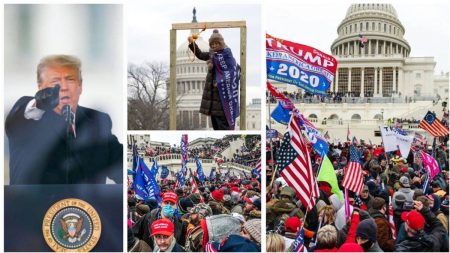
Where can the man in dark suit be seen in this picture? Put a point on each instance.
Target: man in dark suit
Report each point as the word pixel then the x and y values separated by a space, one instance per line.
pixel 53 140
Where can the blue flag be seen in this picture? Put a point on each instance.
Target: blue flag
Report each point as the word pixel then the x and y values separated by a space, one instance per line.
pixel 145 183
pixel 298 244
pixel 281 114
pixel 180 177
pixel 200 174
pixel 164 172
pixel 135 158
pixel 212 175
pixel 154 169
pixel 227 78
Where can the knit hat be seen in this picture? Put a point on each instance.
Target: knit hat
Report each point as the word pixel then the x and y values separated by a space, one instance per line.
pixel 202 209
pixel 404 181
pixel 162 227
pixel 253 227
pixel 257 203
pixel 217 195
pixel 287 191
pixel 399 198
pixel 142 209
pixel 170 196
pixel 350 247
pixel 216 37
pixel 367 229
pixel 292 224
pixel 414 220
pixel 378 203
pixel 185 204
pixel 195 198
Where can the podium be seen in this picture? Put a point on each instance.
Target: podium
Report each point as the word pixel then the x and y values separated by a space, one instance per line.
pixel 27 205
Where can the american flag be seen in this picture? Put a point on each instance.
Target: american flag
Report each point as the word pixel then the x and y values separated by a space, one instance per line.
pixel 295 165
pixel 194 186
pixel 353 177
pixel 433 125
pixel 184 153
pixel 286 103
pixel 363 40
pixel 391 220
pixel 257 170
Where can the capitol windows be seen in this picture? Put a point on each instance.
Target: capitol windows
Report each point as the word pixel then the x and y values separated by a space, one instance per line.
pixel 384 27
pixel 388 82
pixel 356 82
pixel 373 26
pixel 369 79
pixel 356 118
pixel 350 29
pixel 418 75
pixel 379 27
pixel 367 26
pixel 360 27
pixel 342 80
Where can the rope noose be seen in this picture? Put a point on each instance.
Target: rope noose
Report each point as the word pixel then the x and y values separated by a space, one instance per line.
pixel 194 36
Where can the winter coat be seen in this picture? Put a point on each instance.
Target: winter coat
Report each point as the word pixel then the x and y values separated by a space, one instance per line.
pixel 384 232
pixel 407 192
pixel 375 248
pixel 210 104
pixel 140 246
pixel 422 241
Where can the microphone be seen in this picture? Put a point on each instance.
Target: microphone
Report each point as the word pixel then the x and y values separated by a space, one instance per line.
pixel 67 113
pixel 69 118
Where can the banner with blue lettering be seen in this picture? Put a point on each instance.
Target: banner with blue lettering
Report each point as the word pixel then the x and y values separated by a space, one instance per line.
pixel 319 143
pixel 164 172
pixel 271 133
pixel 300 65
pixel 227 78
pixel 145 183
pixel 281 114
pixel 200 174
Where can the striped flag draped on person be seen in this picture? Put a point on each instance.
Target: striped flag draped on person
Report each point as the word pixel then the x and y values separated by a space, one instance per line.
pixel 295 165
pixel 353 177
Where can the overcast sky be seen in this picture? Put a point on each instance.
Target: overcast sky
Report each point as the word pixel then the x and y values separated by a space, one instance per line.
pixel 315 23
pixel 149 23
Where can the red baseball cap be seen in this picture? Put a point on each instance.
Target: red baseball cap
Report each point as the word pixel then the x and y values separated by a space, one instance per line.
pixel 162 227
pixel 292 224
pixel 170 196
pixel 414 220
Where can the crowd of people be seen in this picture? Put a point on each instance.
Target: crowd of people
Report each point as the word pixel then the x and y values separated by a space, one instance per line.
pixel 222 213
pixel 420 207
pixel 225 215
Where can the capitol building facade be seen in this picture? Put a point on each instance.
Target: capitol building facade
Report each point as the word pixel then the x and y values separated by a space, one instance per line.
pixel 191 74
pixel 373 82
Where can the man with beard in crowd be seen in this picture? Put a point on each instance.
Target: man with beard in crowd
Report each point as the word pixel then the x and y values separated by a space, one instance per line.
pixel 194 231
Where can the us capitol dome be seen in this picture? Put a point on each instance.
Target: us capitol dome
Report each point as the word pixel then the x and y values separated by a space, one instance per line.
pixel 374 77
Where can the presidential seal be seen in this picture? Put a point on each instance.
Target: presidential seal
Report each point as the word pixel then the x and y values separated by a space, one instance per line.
pixel 71 225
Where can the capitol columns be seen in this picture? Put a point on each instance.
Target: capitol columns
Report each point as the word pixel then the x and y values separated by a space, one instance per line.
pixel 349 83
pixel 362 82
pixel 381 82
